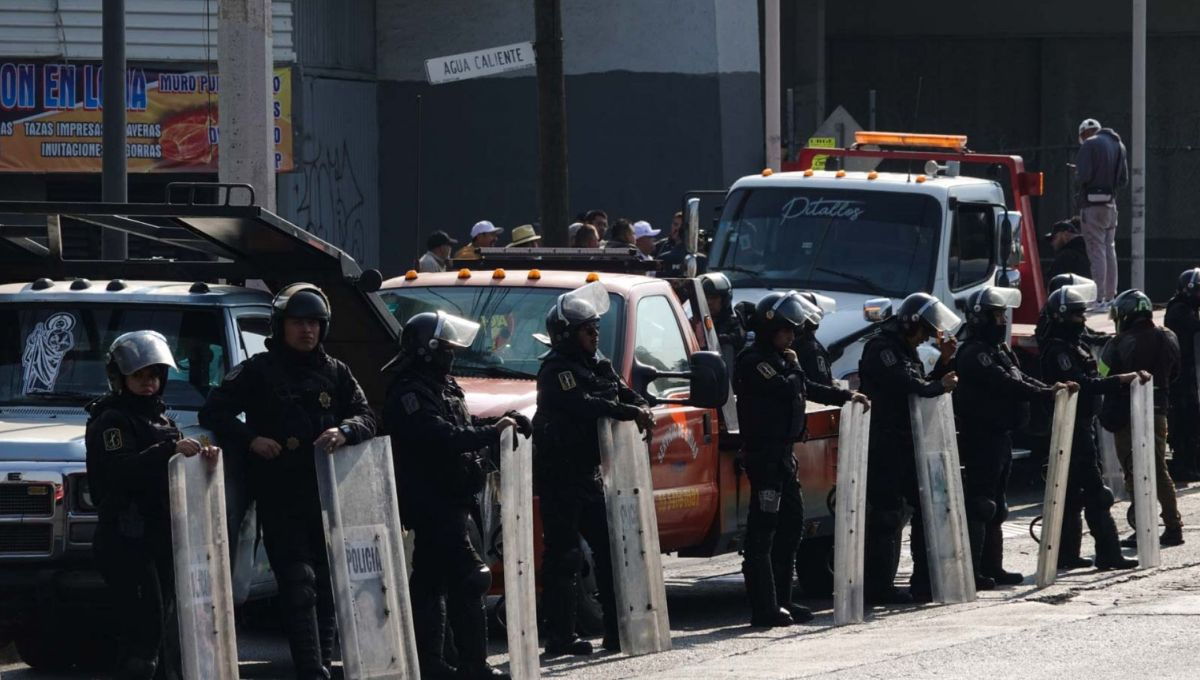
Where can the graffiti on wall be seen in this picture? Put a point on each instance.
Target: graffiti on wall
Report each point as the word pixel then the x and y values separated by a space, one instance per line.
pixel 329 200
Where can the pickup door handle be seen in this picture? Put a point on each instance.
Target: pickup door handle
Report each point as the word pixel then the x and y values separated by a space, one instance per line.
pixel 707 427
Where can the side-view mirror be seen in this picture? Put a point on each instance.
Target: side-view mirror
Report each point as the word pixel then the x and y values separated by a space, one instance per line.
pixel 877 309
pixel 692 220
pixel 708 381
pixel 1010 278
pixel 1010 237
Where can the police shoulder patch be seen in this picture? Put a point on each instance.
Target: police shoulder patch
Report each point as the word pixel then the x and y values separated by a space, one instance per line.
pixel 888 357
pixel 766 370
pixel 410 403
pixel 566 380
pixel 984 359
pixel 112 439
pixel 1064 361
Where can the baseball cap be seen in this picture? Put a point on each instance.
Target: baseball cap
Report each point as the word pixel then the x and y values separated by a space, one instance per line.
pixel 1089 124
pixel 438 239
pixel 484 227
pixel 1064 225
pixel 642 229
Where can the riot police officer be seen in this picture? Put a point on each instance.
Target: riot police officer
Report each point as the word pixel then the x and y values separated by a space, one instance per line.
pixel 771 389
pixel 1183 319
pixel 129 442
pixel 815 359
pixel 718 291
pixel 1086 287
pixel 297 400
pixel 576 387
pixel 1066 358
pixel 890 370
pixel 992 400
pixel 440 451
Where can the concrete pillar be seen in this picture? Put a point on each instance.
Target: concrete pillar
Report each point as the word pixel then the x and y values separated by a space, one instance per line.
pixel 244 103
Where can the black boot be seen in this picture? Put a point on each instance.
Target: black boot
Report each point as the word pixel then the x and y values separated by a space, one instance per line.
pixel 561 600
pixel 1108 545
pixel 468 619
pixel 783 596
pixel 765 611
pixel 1171 536
pixel 1070 543
pixel 429 623
pixel 993 557
pixel 975 531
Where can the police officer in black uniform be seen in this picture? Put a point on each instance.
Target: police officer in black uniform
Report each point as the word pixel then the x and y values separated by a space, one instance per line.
pixel 1183 318
pixel 441 451
pixel 297 400
pixel 815 359
pixel 576 387
pixel 1085 286
pixel 889 371
pixel 992 400
pixel 129 442
pixel 718 292
pixel 1065 357
pixel 771 389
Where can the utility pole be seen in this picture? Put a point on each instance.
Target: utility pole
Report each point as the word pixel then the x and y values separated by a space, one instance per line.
pixel 246 122
pixel 771 83
pixel 1137 172
pixel 114 185
pixel 552 122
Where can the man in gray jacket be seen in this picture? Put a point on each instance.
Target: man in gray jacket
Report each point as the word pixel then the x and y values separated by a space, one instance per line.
pixel 1101 169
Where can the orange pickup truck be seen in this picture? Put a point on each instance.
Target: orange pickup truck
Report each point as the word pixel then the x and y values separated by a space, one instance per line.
pixel 653 326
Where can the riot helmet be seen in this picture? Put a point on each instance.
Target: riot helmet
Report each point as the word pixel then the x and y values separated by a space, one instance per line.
pixel 1189 285
pixel 1130 306
pixel 300 301
pixel 777 311
pixel 1081 283
pixel 717 285
pixel 431 338
pixel 923 309
pixel 574 309
pixel 131 352
pixel 825 305
pixel 1065 309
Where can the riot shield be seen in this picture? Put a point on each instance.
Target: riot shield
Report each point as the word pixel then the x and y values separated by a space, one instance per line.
pixel 203 583
pixel 1110 464
pixel 1145 492
pixel 1062 435
pixel 938 473
pixel 729 410
pixel 633 538
pixel 850 514
pixel 520 592
pixel 357 485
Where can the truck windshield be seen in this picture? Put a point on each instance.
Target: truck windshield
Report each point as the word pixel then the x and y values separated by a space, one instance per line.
pixel 872 242
pixel 56 354
pixel 509 316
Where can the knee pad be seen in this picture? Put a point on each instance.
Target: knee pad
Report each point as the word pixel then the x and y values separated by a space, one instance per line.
pixel 298 585
pixel 981 509
pixel 1001 511
pixel 476 582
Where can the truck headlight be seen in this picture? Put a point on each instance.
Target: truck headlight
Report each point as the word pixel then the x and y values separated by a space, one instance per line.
pixel 83 494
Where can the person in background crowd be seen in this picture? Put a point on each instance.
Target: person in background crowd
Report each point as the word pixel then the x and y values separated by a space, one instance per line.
pixel 1140 345
pixel 437 254
pixel 525 236
pixel 1070 250
pixel 483 235
pixel 585 237
pixel 620 235
pixel 572 230
pixel 1184 416
pixel 598 219
pixel 643 237
pixel 1101 169
pixel 673 238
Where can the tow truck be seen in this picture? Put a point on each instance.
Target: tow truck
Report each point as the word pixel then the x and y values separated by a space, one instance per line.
pixel 59 315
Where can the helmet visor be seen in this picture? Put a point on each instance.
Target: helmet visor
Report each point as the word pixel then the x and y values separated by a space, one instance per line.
pixel 583 303
pixel 796 309
pixel 1001 298
pixel 455 331
pixel 1084 288
pixel 939 316
pixel 136 350
pixel 827 304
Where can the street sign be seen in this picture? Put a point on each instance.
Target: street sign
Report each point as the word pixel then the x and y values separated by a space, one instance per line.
pixel 480 63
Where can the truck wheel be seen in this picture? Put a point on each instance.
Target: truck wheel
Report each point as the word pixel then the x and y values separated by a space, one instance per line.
pixel 42 653
pixel 814 565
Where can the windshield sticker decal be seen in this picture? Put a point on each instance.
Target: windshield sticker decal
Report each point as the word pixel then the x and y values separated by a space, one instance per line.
pixel 44 351
pixel 803 206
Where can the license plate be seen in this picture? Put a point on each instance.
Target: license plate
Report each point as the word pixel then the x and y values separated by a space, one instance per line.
pixel 38 490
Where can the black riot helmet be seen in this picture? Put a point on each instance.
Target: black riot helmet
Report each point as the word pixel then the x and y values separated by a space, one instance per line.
pixel 131 352
pixel 982 306
pixel 1065 304
pixel 783 310
pixel 1129 307
pixel 583 305
pixel 1189 285
pixel 925 309
pixel 716 284
pixel 823 303
pixel 300 301
pixel 431 338
pixel 1060 280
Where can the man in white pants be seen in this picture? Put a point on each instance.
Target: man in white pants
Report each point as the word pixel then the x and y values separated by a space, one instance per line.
pixel 1101 169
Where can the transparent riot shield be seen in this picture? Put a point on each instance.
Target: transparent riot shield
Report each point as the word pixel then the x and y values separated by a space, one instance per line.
pixel 729 409
pixel 1062 435
pixel 203 583
pixel 850 514
pixel 938 473
pixel 357 485
pixel 633 537
pixel 1110 465
pixel 1145 492
pixel 520 592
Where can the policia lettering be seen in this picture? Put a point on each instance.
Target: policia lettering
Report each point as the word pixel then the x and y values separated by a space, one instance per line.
pixel 771 389
pixel 296 399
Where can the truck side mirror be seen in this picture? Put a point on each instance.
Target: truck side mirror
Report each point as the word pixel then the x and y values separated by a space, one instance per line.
pixel 709 380
pixel 1010 238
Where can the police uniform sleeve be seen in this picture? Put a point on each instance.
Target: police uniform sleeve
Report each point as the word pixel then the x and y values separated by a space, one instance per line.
pixel 755 375
pixel 825 394
pixel 560 384
pixel 1061 364
pixel 229 400
pixel 357 416
pixel 1171 349
pixel 413 420
pixel 112 444
pixel 1181 319
pixel 976 365
pixel 892 373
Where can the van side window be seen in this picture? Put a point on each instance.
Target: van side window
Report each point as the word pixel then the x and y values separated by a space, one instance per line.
pixel 254 331
pixel 658 343
pixel 972 246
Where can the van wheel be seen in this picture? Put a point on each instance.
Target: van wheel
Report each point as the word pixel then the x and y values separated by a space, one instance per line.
pixel 814 565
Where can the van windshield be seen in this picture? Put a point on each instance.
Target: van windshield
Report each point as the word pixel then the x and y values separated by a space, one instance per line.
pixel 56 354
pixel 509 317
pixel 871 242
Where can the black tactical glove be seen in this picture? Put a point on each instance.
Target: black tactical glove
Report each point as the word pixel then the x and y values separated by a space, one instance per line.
pixel 524 424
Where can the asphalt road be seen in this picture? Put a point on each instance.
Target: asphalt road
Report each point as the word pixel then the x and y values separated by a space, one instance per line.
pixel 1091 624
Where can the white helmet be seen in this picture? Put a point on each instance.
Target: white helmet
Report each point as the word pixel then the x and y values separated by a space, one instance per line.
pixel 1088 124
